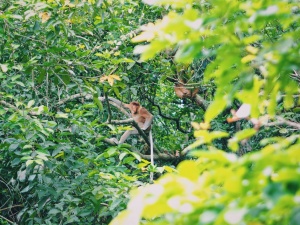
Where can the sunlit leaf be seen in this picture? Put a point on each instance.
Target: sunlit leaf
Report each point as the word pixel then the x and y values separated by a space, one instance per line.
pixel 239 136
pixel 30 103
pixel 4 67
pixel 45 16
pixel 98 102
pixel 214 109
pixel 189 169
pixel 61 115
pixel 235 216
pixel 126 217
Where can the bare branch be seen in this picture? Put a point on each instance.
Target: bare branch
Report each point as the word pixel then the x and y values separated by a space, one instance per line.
pixel 136 126
pixel 7 219
pixel 72 97
pixel 160 156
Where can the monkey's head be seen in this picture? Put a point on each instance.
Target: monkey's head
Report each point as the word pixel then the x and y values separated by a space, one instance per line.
pixel 134 107
pixel 181 91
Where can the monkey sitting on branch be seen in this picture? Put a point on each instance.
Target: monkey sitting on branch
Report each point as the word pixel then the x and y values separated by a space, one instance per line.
pixel 143 118
pixel 182 91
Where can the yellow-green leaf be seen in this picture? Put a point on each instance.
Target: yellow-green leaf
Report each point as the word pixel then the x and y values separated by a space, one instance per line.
pixel 214 109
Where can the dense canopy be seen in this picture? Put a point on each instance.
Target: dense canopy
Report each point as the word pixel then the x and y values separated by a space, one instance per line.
pixel 221 79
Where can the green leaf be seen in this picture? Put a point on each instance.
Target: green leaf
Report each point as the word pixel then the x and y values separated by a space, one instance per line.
pixel 51 123
pixel 116 91
pixel 13 147
pixel 38 161
pixel 66 79
pixel 4 67
pixel 15 77
pixel 30 103
pixel 27 188
pixel 20 83
pixel 239 136
pixel 208 137
pixel 111 151
pixel 53 211
pixel 136 156
pixel 214 109
pixel 122 155
pixel 27 146
pixel 61 115
pixel 41 76
pixel 29 162
pixel 189 169
pixel 98 102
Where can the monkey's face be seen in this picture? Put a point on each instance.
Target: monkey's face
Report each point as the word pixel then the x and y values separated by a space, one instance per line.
pixel 134 108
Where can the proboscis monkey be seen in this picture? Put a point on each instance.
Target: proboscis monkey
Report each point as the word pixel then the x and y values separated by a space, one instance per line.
pixel 182 92
pixel 144 119
pixel 141 116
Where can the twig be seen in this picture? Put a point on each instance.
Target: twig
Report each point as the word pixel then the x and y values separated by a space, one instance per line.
pixel 6 219
pixel 177 120
pixel 10 207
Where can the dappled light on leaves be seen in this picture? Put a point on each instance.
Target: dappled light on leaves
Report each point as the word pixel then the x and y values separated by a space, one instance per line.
pixel 220 82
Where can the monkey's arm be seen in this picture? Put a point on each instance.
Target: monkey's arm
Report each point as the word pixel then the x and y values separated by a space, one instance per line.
pixel 148 116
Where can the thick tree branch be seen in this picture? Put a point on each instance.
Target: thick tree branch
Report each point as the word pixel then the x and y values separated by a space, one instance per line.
pixel 141 132
pixel 118 104
pixel 160 156
pixel 72 97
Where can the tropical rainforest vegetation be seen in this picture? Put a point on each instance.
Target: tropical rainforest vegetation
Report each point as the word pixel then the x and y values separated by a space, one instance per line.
pixel 220 77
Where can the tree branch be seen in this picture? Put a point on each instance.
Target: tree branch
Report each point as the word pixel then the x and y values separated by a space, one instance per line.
pixel 136 126
pixel 18 110
pixel 123 39
pixel 160 156
pixel 177 120
pixel 281 121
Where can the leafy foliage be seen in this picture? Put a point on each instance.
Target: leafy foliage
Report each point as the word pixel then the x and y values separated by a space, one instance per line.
pixel 219 188
pixel 55 166
pixel 59 59
pixel 253 48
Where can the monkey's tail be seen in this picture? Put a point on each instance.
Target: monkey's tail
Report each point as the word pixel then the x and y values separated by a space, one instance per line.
pixel 151 155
